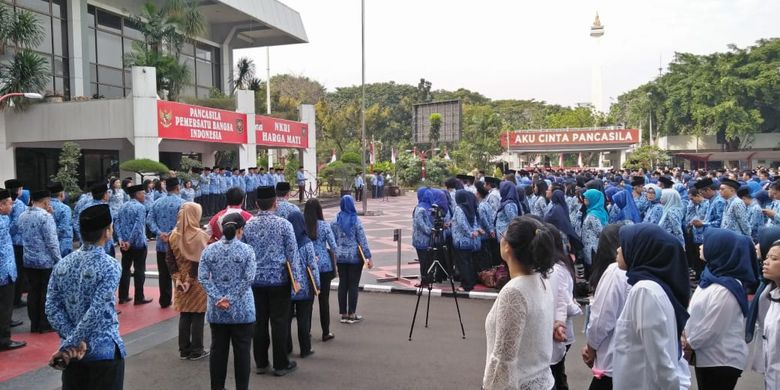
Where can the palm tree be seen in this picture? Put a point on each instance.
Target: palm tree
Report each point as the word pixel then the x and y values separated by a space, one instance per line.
pixel 245 73
pixel 25 71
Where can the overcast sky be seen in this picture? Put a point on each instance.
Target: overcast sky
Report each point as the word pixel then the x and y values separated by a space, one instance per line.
pixel 512 49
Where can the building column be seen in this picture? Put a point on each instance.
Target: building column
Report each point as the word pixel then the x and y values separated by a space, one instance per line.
pixel 145 136
pixel 7 162
pixel 622 160
pixel 247 154
pixel 78 51
pixel 308 116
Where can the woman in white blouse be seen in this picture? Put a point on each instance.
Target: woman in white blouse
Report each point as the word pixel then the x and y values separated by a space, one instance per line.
pixel 518 326
pixel 767 307
pixel 716 330
pixel 647 347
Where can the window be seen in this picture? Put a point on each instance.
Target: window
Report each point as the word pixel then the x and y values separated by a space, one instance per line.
pixel 203 63
pixel 51 17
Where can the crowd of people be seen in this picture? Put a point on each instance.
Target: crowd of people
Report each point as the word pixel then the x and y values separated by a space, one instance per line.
pixel 637 244
pixel 241 272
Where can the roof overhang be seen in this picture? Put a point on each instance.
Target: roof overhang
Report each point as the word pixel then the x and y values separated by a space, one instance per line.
pixel 253 23
pixel 732 156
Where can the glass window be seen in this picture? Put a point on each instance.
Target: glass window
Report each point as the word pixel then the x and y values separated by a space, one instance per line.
pixel 45 23
pixel 205 76
pixel 204 52
pixel 109 21
pixel 203 93
pixel 187 49
pixel 58 9
pixel 60 37
pixel 60 86
pixel 91 16
pixel 109 91
pixel 216 75
pixel 109 76
pixel 60 66
pixel 128 46
pixel 109 49
pixel 128 79
pixel 188 90
pixel 131 30
pixel 37 5
pixel 93 73
pixel 91 48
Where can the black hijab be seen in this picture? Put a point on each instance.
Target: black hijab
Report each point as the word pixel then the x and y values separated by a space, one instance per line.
pixel 609 241
pixel 468 203
pixel 558 215
pixel 299 226
pixel 653 254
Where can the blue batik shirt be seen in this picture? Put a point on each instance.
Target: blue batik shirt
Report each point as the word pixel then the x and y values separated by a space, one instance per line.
pixel 227 270
pixel 16 212
pixel 575 214
pixel 736 217
pixel 223 182
pixel 715 212
pixel 757 219
pixel 591 230
pixel 642 204
pixel 131 224
pixel 325 239
pixel 116 199
pixel 487 216
pixel 39 237
pixel 697 212
pixel 284 208
pixel 347 251
pixel 7 259
pixel 654 213
pixel 187 194
pixel 539 206
pixel 306 258
pixel 196 185
pixel 673 224
pixel 273 240
pixel 77 225
pixel 162 218
pixel 503 218
pixel 462 231
pixel 421 228
pixel 80 304
pixel 214 183
pixel 64 220
pixel 775 206
pixel 205 184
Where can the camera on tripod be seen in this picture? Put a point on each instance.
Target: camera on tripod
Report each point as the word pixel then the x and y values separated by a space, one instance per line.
pixel 438 217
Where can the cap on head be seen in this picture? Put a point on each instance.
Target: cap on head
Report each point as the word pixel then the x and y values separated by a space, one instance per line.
pixel 95 218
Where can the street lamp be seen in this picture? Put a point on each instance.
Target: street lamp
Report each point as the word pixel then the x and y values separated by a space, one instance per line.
pixel 28 95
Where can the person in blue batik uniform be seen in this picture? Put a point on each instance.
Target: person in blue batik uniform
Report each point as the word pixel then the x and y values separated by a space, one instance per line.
pixel 8 275
pixel 99 196
pixel 539 204
pixel 325 246
pixel 161 220
pixel 116 196
pixel 466 238
pixel 273 241
pixel 422 227
pixel 62 217
pixel 226 271
pixel 672 217
pixel 655 208
pixel 509 209
pixel 755 215
pixel 717 205
pixel 487 216
pixel 283 207
pixel 735 217
pixel 15 188
pixel 640 198
pixel 205 191
pixel 303 300
pixel 41 253
pixel 350 238
pixel 188 193
pixel 595 221
pixel 696 210
pixel 359 184
pixel 81 308
pixel 131 230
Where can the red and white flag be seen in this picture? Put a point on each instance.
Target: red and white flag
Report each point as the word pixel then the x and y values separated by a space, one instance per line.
pixel 392 155
pixel 371 158
pixel 538 159
pixel 579 160
pixel 333 156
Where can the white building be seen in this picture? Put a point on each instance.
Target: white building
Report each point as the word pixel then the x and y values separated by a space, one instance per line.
pixel 85 45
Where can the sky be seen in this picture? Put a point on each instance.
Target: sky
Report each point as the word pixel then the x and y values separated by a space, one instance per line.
pixel 513 49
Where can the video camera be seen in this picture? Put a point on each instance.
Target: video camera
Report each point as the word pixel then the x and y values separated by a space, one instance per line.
pixel 438 217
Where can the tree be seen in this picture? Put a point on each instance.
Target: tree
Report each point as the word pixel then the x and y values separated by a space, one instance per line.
pixel 245 73
pixel 435 129
pixel 647 157
pixel 424 91
pixel 480 138
pixel 25 71
pixel 68 171
pixel 144 167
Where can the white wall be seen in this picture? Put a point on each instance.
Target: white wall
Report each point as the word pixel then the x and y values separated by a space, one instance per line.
pixel 308 116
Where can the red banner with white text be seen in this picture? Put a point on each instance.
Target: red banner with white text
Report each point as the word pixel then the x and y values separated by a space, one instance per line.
pixel 195 123
pixel 281 133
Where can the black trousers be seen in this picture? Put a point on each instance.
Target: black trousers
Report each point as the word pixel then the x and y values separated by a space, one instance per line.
pixel 36 298
pixel 303 311
pixel 166 285
pixel 349 283
pixel 135 259
pixel 21 284
pixel 424 256
pixel 191 333
pixel 358 194
pixel 95 375
pixel 272 305
pixel 559 373
pixel 605 383
pixel 222 335
pixel 6 311
pixel 692 254
pixel 490 246
pixel 464 260
pixel 301 192
pixel 717 378
pixel 324 300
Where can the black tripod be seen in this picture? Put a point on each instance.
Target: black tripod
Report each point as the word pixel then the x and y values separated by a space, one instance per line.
pixel 436 272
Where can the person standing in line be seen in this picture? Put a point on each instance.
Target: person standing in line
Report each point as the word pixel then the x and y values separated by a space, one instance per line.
pixel 379 185
pixel 359 186
pixel 509 209
pixel 466 238
pixel 325 247
pixel 300 180
pixel 205 188
pixel 594 222
pixel 718 309
pixel 197 195
pixel 273 240
pixel 186 244
pixel 654 207
pixel 235 199
pixel 422 228
pixel 15 188
pixel 639 195
pixel 717 205
pixel 696 210
pixel 350 256
pixel 494 196
pixel 539 203
pixel 518 325
pixel 647 344
pixel 62 217
pixel 756 218
pixel 131 231
pixel 487 216
pixel 735 216
pixel 188 193
pixel 161 220
pixel 303 300
pixel 764 311
pixel 81 307
pixel 8 276
pixel 673 213
pixel 283 206
pixel 226 271
pixel 100 195
pixel 116 196
pixel 41 254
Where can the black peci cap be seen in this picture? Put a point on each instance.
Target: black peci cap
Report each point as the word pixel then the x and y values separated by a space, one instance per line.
pixel 283 186
pixel 493 181
pixel 55 188
pixel 666 181
pixel 637 181
pixel 95 218
pixel 4 194
pixel 13 184
pixel 98 189
pixel 39 195
pixel 171 182
pixel 703 183
pixel 731 183
pixel 133 189
pixel 266 192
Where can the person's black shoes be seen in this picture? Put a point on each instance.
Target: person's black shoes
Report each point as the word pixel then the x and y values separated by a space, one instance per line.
pixel 122 301
pixel 12 345
pixel 143 301
pixel 328 337
pixel 304 355
pixel 290 368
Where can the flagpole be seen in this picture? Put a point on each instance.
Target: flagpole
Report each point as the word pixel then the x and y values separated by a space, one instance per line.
pixel 363 96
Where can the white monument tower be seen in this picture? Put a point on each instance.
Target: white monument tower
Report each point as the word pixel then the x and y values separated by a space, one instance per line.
pixel 597 82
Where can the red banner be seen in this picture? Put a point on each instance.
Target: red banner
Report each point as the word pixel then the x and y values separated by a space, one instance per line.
pixel 281 133
pixel 194 123
pixel 571 137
